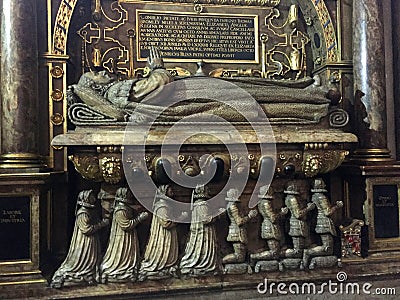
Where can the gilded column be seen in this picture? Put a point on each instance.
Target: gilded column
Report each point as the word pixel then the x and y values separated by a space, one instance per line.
pixel 19 85
pixel 369 80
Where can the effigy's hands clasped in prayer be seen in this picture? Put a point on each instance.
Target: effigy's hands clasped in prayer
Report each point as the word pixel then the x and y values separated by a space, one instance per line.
pixel 154 60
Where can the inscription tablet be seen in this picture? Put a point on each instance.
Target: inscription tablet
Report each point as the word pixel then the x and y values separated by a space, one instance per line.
pixel 192 37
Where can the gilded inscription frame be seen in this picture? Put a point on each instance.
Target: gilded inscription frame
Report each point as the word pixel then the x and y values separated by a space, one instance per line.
pixel 255 19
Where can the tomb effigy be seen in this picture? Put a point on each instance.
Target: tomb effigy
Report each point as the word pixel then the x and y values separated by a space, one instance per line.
pixel 212 135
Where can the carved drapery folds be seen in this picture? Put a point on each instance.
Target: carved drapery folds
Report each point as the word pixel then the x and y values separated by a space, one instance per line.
pixel 121 259
pixel 84 256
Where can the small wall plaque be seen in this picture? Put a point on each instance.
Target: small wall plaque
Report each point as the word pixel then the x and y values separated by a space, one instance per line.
pixel 15 228
pixel 383 212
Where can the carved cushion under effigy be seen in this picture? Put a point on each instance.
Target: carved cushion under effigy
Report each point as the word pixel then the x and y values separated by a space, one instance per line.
pixel 82 114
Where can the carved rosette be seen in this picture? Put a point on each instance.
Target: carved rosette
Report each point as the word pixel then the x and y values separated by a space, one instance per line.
pixel 320 162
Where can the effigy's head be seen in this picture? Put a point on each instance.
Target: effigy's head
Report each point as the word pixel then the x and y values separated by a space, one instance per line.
pixel 98 81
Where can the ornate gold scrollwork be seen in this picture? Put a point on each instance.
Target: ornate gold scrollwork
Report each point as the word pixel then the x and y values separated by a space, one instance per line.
pixel 221 72
pixel 177 71
pixel 319 162
pixel 61 26
pixel 87 166
pixel 285 54
pixel 111 169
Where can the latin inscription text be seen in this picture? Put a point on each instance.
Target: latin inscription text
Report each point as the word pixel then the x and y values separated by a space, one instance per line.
pixel 181 36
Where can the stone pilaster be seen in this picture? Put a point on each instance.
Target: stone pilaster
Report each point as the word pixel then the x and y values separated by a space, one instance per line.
pixel 396 69
pixel 19 85
pixel 369 80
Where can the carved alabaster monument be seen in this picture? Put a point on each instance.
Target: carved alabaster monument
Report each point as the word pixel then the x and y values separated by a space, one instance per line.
pixel 107 104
